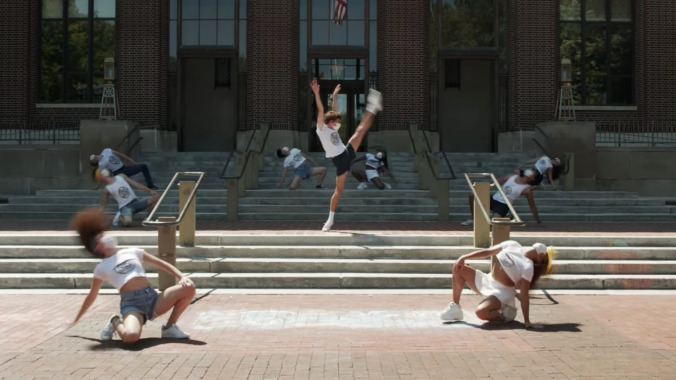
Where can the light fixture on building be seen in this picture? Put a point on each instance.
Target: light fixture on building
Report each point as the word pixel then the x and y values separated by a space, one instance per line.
pixel 566 103
pixel 109 69
pixel 566 68
pixel 108 109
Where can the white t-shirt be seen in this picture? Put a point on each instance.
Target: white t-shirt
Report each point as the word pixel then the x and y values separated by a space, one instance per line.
pixel 515 264
pixel 543 164
pixel 121 191
pixel 295 158
pixel 331 141
pixel 121 267
pixel 373 162
pixel 511 189
pixel 109 160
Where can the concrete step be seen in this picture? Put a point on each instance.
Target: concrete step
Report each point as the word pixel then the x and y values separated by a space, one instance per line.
pixel 344 280
pixel 330 265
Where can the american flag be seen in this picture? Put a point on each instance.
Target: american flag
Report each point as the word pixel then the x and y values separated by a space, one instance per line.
pixel 340 13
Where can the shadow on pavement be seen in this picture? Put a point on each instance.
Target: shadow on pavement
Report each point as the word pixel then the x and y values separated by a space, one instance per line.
pixel 138 346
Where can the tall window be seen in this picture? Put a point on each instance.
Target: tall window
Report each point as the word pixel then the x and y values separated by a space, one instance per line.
pixel 207 23
pixel 326 32
pixel 598 37
pixel 76 37
pixel 465 23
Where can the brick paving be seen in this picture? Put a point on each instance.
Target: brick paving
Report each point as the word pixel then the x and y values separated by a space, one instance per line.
pixel 240 336
pixel 347 336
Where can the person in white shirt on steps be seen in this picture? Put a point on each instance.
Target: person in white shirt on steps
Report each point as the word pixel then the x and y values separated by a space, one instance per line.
pixel 123 268
pixel 341 154
pixel 370 171
pixel 513 186
pixel 119 187
pixel 514 268
pixel 304 167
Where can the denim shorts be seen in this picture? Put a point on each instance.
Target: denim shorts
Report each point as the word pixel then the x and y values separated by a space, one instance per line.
pixel 303 171
pixel 137 205
pixel 141 300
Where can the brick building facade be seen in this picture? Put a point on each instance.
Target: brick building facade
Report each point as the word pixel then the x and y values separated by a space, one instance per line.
pixel 149 90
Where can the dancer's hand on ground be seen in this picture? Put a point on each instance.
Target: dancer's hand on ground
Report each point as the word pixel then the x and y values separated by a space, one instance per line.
pixel 535 326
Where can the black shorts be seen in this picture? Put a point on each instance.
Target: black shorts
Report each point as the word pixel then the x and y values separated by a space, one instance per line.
pixel 343 161
pixel 499 208
pixel 538 177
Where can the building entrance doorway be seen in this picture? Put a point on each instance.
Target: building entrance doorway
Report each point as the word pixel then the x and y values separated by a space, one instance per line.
pixel 351 104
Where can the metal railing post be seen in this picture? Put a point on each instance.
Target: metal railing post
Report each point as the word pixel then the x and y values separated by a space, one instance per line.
pixel 569 170
pixel 232 199
pixel 166 249
pixel 186 230
pixel 442 199
pixel 482 230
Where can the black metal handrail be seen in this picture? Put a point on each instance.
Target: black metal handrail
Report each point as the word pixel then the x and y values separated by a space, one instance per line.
pixel 429 160
pixel 149 222
pixel 137 127
pixel 515 222
pixel 247 153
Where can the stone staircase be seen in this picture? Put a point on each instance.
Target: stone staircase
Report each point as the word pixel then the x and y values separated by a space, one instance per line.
pixel 54 260
pixel 405 202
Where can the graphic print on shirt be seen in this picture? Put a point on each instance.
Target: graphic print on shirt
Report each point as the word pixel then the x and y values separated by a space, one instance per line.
pixel 507 190
pixel 114 160
pixel 125 267
pixel 335 139
pixel 123 191
pixel 298 157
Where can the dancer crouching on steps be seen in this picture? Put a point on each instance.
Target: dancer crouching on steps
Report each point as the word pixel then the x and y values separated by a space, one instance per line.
pixel 341 155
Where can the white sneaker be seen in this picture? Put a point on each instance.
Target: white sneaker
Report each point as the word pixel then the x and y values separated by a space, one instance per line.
pixel 362 186
pixel 467 222
pixel 374 102
pixel 508 313
pixel 452 313
pixel 116 219
pixel 174 332
pixel 387 186
pixel 327 226
pixel 109 330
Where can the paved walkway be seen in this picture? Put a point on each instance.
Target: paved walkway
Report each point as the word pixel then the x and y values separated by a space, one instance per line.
pixel 242 336
pixel 346 336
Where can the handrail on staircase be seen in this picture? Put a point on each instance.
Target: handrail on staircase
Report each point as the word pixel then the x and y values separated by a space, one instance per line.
pixel 431 179
pixel 137 127
pixel 494 182
pixel 428 153
pixel 490 231
pixel 247 153
pixel 149 222
pixel 236 184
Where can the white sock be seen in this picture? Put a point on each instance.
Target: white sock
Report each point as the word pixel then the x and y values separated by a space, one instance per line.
pixel 332 214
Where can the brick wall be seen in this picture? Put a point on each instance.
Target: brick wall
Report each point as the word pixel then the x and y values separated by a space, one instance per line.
pixel 656 56
pixel 403 62
pixel 141 61
pixel 533 57
pixel 15 55
pixel 272 62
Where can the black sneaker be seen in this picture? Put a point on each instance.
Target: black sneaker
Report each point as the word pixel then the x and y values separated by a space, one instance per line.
pixel 152 187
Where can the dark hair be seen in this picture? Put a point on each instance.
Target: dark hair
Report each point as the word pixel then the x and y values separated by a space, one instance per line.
pixel 89 223
pixel 556 170
pixel 539 270
pixel 279 153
